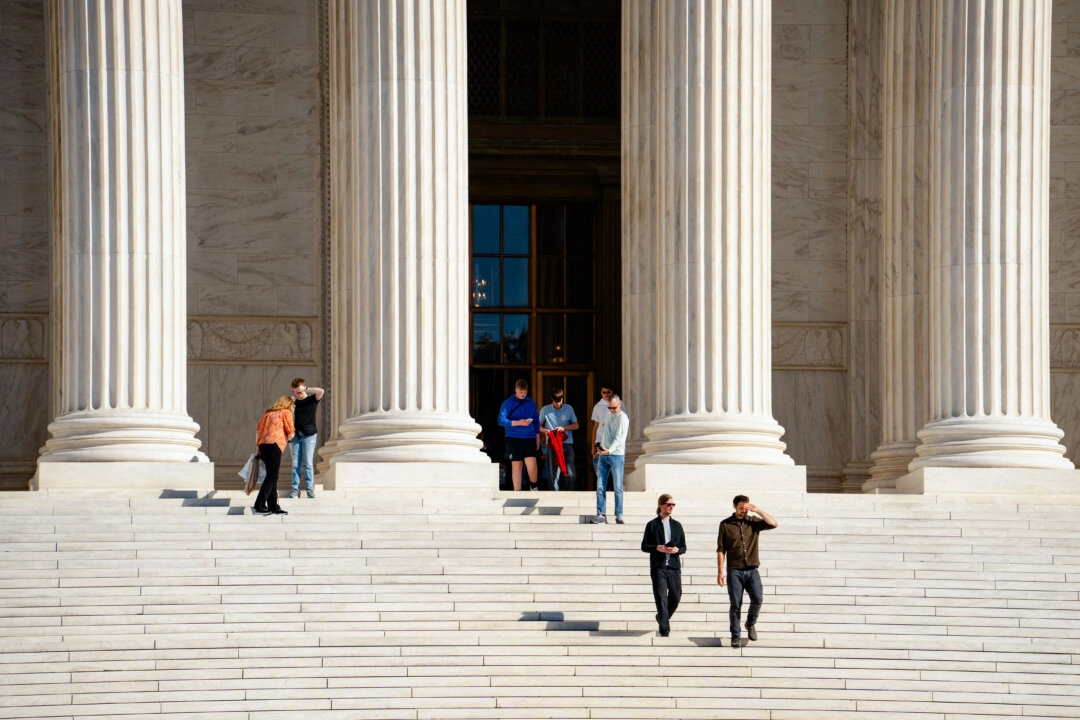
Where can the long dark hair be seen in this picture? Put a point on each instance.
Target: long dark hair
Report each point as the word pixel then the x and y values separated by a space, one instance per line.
pixel 660 501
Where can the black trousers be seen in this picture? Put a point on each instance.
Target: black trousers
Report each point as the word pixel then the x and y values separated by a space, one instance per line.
pixel 270 454
pixel 666 590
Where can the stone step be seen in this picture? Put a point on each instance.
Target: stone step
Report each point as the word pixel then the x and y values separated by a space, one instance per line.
pixel 512 605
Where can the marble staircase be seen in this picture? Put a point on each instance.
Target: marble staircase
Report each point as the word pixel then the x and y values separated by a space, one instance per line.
pixel 401 603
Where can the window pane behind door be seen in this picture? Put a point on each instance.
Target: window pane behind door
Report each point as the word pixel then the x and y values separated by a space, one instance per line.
pixel 485 229
pixel 485 338
pixel 516 287
pixel 580 339
pixel 516 229
pixel 551 349
pixel 550 233
pixel 485 287
pixel 549 283
pixel 515 340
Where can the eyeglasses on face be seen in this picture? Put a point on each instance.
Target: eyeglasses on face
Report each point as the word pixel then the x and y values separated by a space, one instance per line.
pixel 669 504
pixel 613 407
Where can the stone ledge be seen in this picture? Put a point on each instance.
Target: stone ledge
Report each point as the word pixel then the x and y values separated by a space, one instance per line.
pixel 128 476
pixel 724 481
pixel 993 485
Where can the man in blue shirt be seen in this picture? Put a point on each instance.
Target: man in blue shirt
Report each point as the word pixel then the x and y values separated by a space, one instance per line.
pixel 557 423
pixel 522 422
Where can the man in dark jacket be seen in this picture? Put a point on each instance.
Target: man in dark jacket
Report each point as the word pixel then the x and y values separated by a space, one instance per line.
pixel 665 542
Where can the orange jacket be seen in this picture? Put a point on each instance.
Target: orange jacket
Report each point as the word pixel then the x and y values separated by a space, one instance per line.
pixel 275 426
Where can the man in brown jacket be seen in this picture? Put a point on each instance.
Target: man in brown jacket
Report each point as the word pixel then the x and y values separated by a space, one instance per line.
pixel 737 540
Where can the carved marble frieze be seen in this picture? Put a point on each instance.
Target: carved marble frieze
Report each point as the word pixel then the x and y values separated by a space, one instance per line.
pixel 1065 348
pixel 22 338
pixel 252 340
pixel 809 346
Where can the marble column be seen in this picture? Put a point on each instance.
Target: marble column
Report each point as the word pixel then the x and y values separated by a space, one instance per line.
pixel 865 47
pixel 399 229
pixel 119 250
pixel 713 346
pixel 639 216
pixel 989 363
pixel 905 347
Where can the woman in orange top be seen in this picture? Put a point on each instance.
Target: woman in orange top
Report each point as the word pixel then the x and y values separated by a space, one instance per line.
pixel 274 430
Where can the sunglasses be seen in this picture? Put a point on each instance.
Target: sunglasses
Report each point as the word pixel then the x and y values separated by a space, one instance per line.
pixel 669 504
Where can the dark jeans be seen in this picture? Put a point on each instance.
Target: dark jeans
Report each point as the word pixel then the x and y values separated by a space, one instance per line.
pixel 737 581
pixel 666 590
pixel 270 454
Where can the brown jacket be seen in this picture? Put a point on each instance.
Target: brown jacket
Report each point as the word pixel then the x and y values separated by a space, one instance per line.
pixel 738 541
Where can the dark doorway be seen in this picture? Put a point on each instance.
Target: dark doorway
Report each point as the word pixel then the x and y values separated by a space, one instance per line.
pixel 545 208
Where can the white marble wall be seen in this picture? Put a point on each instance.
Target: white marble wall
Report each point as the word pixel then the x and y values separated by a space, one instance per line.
pixel 1065 222
pixel 24 208
pixel 864 233
pixel 251 72
pixel 254 212
pixel 809 231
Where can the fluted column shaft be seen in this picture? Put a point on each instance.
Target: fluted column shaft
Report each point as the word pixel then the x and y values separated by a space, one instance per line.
pixel 905 345
pixel 714 375
pixel 989 138
pixel 118 226
pixel 639 216
pixel 400 232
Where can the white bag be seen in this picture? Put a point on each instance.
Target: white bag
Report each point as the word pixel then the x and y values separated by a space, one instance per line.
pixel 253 472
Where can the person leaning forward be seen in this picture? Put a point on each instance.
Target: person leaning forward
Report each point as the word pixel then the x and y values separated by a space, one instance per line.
pixel 737 542
pixel 665 541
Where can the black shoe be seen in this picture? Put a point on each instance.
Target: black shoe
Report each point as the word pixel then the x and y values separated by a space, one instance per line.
pixel 751 632
pixel 735 643
pixel 260 510
pixel 665 634
pixel 278 511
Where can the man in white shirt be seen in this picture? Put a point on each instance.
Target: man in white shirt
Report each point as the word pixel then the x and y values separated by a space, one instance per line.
pixel 599 417
pixel 611 448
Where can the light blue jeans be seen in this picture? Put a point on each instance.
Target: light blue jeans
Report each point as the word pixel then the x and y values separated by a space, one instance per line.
pixel 303 455
pixel 609 465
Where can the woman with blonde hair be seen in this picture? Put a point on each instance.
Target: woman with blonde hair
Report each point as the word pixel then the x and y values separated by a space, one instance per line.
pixel 274 431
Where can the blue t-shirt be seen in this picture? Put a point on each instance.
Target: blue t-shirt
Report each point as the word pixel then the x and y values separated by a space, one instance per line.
pixel 512 410
pixel 550 418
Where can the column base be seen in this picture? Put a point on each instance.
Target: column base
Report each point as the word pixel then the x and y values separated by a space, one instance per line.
pixel 891 461
pixel 404 437
pixel 124 476
pixel 107 436
pixel 397 476
pixel 855 475
pixel 991 442
pixel 1015 485
pixel 707 440
pixel 723 480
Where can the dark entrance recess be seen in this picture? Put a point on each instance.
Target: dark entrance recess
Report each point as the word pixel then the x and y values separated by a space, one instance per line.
pixel 545 215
